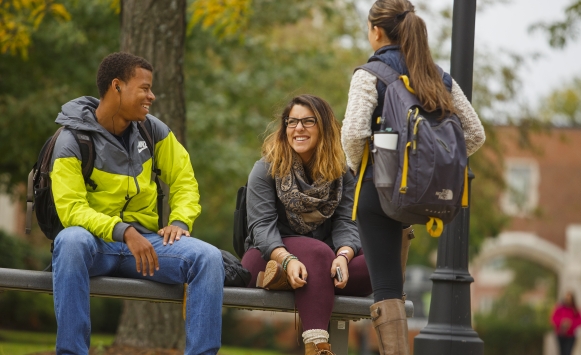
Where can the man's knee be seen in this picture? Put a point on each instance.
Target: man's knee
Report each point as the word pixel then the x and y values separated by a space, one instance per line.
pixel 73 239
pixel 211 255
pixel 209 258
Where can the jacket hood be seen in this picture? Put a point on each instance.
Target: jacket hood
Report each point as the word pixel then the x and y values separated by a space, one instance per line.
pixel 79 114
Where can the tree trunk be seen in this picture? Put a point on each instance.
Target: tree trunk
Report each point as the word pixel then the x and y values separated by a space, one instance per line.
pixel 151 325
pixel 155 30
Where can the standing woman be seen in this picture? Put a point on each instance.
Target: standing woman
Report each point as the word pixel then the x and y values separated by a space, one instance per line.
pixel 566 319
pixel 299 205
pixel 399 38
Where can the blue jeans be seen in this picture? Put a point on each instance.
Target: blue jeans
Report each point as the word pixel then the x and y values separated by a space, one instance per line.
pixel 78 255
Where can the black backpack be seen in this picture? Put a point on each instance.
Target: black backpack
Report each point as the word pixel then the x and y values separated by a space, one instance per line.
pixel 39 195
pixel 240 222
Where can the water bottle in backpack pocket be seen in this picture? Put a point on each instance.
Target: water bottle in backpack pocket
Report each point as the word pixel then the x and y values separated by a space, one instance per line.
pixel 386 161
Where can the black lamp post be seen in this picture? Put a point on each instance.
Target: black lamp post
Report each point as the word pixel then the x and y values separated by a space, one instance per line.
pixel 449 330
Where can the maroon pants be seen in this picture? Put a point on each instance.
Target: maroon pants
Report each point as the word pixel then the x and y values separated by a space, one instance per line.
pixel 314 301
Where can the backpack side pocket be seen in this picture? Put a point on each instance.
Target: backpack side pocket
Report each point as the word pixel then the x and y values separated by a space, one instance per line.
pixel 385 168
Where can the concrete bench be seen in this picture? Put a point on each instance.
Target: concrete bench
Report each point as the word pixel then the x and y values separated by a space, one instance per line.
pixel 345 308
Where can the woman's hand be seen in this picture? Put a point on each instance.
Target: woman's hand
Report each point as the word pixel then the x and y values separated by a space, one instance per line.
pixel 340 262
pixel 296 274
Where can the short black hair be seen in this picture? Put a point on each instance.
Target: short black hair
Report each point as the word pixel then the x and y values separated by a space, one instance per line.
pixel 120 65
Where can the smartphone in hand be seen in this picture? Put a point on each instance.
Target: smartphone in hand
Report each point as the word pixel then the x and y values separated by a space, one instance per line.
pixel 339 274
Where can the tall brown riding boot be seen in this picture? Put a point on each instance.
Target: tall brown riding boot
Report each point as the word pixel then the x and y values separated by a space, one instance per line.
pixel 318 349
pixel 390 323
pixel 406 240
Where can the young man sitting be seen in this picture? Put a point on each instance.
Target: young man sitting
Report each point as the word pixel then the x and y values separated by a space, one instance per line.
pixel 111 225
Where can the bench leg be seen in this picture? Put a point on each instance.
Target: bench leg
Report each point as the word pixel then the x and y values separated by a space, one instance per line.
pixel 339 336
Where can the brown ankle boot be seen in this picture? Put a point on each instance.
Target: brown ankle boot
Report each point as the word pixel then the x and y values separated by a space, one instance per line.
pixel 318 349
pixel 406 240
pixel 390 323
pixel 273 278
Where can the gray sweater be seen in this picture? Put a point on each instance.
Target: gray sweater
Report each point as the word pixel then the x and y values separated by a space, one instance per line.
pixel 268 224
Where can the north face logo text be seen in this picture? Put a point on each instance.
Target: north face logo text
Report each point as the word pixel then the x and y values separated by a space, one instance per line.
pixel 141 145
pixel 445 194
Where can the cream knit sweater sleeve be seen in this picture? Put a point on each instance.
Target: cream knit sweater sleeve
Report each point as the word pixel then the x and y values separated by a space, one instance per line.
pixel 473 129
pixel 363 100
pixel 357 122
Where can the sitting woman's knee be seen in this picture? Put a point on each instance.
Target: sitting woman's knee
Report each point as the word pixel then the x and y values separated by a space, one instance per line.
pixel 320 253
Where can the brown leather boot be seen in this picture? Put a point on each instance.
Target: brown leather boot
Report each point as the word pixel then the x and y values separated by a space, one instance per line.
pixel 273 278
pixel 318 349
pixel 390 323
pixel 406 240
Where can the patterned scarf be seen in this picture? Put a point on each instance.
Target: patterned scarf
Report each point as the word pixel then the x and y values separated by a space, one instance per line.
pixel 307 205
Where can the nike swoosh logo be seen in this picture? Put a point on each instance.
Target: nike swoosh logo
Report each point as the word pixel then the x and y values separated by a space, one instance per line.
pixel 139 150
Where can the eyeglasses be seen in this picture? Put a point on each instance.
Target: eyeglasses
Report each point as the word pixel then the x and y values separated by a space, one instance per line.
pixel 306 121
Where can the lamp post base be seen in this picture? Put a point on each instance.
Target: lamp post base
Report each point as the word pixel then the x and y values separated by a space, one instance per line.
pixel 449 330
pixel 444 344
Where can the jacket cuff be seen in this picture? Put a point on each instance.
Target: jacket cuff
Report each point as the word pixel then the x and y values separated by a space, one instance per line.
pixel 266 253
pixel 352 246
pixel 119 231
pixel 180 224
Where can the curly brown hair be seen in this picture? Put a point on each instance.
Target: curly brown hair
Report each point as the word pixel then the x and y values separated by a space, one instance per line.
pixel 328 161
pixel 119 65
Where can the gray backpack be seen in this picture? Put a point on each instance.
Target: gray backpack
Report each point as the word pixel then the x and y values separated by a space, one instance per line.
pixel 423 180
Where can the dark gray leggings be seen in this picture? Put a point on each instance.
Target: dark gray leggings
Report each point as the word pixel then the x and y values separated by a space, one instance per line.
pixel 381 240
pixel 566 344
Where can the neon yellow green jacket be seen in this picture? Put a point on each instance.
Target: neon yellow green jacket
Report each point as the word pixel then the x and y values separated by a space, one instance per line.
pixel 125 193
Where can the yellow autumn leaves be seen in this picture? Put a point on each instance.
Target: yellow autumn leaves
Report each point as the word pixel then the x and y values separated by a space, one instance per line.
pixel 19 19
pixel 225 17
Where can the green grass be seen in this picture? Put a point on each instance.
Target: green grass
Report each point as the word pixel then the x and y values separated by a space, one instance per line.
pixel 23 343
pixel 226 350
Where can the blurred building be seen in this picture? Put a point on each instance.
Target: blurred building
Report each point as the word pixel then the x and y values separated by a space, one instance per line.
pixel 543 197
pixel 9 214
pixel 542 171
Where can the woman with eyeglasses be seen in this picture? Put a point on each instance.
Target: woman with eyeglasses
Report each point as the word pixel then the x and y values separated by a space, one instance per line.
pixel 299 205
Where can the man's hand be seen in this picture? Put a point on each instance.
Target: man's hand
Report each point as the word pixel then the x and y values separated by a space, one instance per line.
pixel 172 233
pixel 142 250
pixel 296 273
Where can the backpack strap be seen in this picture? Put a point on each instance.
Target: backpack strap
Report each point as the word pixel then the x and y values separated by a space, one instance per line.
pixel 382 71
pixel 29 201
pixel 360 180
pixel 388 75
pixel 87 148
pixel 146 131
